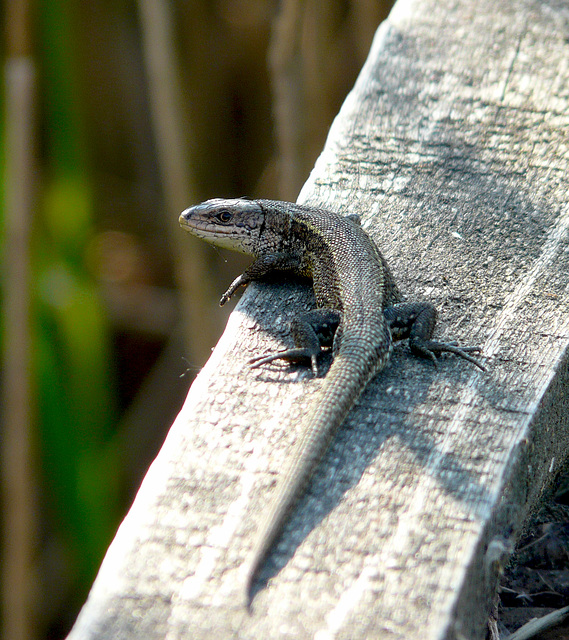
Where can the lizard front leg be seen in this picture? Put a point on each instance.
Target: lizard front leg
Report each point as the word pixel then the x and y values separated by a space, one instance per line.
pixel 258 269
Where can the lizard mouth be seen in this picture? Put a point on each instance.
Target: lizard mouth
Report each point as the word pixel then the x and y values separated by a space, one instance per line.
pixel 236 238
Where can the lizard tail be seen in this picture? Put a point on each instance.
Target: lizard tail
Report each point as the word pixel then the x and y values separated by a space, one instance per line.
pixel 354 365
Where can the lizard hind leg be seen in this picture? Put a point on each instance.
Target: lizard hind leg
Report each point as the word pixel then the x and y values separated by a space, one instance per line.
pixel 311 332
pixel 416 321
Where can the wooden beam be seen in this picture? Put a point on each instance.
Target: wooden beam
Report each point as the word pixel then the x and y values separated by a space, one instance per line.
pixel 453 149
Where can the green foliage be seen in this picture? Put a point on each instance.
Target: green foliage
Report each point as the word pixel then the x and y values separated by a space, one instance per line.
pixel 75 385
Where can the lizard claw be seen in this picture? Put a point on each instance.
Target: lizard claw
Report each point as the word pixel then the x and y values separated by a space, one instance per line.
pixel 259 361
pixel 314 364
pixel 291 355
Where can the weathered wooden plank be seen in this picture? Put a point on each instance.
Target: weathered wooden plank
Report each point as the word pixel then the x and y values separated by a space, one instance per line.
pixel 453 147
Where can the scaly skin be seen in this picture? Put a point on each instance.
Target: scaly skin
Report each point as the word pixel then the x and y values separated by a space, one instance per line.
pixel 360 312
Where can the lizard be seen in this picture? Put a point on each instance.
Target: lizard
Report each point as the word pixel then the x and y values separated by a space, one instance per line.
pixel 359 314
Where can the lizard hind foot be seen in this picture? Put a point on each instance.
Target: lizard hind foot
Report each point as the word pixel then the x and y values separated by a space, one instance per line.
pixel 298 354
pixel 432 348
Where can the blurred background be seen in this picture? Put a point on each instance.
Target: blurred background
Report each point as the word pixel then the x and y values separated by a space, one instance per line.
pixel 116 116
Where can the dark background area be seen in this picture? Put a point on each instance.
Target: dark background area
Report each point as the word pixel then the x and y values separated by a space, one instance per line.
pixel 116 116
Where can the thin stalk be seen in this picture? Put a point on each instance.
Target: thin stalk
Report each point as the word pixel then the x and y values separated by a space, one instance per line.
pixel 191 272
pixel 18 516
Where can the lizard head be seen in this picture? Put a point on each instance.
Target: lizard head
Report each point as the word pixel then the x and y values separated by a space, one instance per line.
pixel 232 224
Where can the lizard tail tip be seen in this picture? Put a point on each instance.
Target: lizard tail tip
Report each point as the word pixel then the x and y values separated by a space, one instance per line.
pixel 247 591
pixel 247 600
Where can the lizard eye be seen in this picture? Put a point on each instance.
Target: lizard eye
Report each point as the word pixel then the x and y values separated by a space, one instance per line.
pixel 224 216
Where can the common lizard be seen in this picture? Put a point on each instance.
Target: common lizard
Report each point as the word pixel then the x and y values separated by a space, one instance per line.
pixel 359 314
